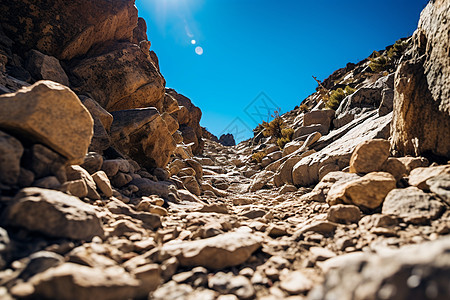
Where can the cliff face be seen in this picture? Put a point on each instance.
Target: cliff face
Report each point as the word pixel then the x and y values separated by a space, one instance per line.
pixel 100 50
pixel 421 118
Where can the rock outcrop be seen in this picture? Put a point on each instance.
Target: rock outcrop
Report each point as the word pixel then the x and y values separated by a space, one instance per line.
pixel 422 88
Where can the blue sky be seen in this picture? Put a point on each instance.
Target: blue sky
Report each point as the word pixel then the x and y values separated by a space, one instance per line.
pixel 259 54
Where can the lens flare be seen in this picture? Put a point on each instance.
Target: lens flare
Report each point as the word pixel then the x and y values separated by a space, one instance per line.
pixel 193 42
pixel 199 50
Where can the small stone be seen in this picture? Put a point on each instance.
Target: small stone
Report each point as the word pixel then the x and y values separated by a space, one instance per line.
pixel 395 167
pixel 419 176
pixel 369 156
pixel 276 231
pixel 320 254
pixel 75 172
pixel 77 188
pixel 344 214
pixel 92 162
pixel 295 283
pixel 121 179
pixel 103 183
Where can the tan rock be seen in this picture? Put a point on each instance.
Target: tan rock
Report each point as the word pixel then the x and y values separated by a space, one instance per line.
pixel 150 278
pixel 44 67
pixel 367 192
pixel 419 176
pixel 261 180
pixel 143 135
pixel 73 281
pixel 222 251
pixel 85 23
pixel 75 172
pixel 341 213
pixel 395 167
pixel 413 162
pixel 42 112
pixel 171 122
pixel 124 78
pixel 54 214
pixel 422 88
pixel 77 188
pixel 295 283
pixel 103 183
pixel 369 156
pixel 323 117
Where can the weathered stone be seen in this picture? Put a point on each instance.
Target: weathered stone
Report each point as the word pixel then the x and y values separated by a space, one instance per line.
pixel 323 117
pixel 320 191
pixel 143 135
pixel 413 162
pixel 121 179
pixel 103 183
pixel 227 283
pixel 84 24
pixel 369 156
pixel 307 130
pixel 338 146
pixel 75 172
pixel 395 167
pixel 149 187
pixel 320 254
pixel 45 162
pixel 44 67
pixel 191 185
pixel 295 283
pixel 422 88
pixel 412 205
pixel 77 188
pixel 392 275
pixel 225 250
pixel 261 180
pixel 54 214
pixel 124 78
pixel 150 278
pixel 92 162
pixel 73 281
pixel 367 192
pixel 344 214
pixel 49 182
pixel 440 185
pixel 171 122
pixel 39 262
pixel 41 112
pixel 419 176
pixel 11 151
pixel 227 140
pixel 291 147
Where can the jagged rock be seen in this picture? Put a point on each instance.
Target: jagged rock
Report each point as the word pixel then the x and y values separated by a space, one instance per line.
pixel 284 174
pixel 44 67
pixel 73 281
pixel 189 120
pixel 225 250
pixel 77 188
pixel 149 187
pixel 124 78
pixel 419 176
pixel 171 123
pixel 367 192
pixel 170 104
pixel 54 214
pixel 149 277
pixel 390 275
pixel 11 151
pixel 291 147
pixel 39 262
pixel 440 185
pixel 121 179
pixel 191 185
pixel 323 117
pixel 227 140
pixel 41 111
pixel 413 162
pixel 306 171
pixel 344 214
pixel 84 23
pixel 412 205
pixel 103 183
pixel 143 135
pixel 102 124
pixel 75 172
pixel 112 166
pixel 304 131
pixel 422 88
pixel 369 156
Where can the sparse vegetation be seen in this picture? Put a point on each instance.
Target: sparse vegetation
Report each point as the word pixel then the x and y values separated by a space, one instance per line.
pixel 286 137
pixel 274 127
pixel 258 156
pixel 384 62
pixel 304 108
pixel 337 96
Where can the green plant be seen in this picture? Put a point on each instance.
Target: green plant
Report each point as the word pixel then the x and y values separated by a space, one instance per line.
pixel 337 96
pixel 258 156
pixel 397 49
pixel 379 63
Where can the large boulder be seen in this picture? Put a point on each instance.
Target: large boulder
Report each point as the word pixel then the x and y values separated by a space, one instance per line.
pixel 50 114
pixel 46 67
pixel 54 214
pixel 337 147
pixel 66 29
pixel 143 135
pixel 120 77
pixel 421 118
pixel 369 156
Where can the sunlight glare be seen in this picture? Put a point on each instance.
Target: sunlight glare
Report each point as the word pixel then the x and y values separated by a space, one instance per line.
pixel 199 50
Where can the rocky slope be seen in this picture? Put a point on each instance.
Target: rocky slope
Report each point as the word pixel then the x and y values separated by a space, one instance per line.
pixel 109 191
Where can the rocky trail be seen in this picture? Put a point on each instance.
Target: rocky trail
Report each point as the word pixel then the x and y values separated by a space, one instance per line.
pixel 111 189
